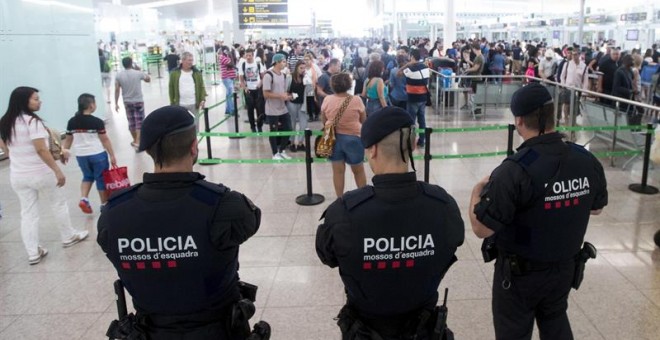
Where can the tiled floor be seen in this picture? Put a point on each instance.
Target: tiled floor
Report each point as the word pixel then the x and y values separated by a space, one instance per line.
pixel 69 295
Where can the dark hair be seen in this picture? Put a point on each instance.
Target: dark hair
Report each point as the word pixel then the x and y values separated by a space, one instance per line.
pixel 358 62
pixel 85 100
pixel 404 48
pixel 475 46
pixel 127 62
pixel 171 148
pixel 341 82
pixel 414 54
pixel 295 76
pixel 18 103
pixel 546 111
pixel 334 61
pixel 324 52
pixel 627 61
pixel 401 60
pixel 249 50
pixel 376 68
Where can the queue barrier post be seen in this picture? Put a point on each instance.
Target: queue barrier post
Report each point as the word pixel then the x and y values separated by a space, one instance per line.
pixel 309 198
pixel 509 143
pixel 427 154
pixel 644 188
pixel 207 129
pixel 236 129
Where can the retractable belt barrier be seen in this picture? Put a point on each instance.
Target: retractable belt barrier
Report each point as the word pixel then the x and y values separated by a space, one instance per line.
pixel 312 199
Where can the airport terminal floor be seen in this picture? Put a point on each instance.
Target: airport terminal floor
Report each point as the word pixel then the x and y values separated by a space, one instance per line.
pixel 69 295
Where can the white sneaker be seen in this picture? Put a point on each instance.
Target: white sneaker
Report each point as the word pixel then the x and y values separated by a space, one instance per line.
pixel 278 157
pixel 32 260
pixel 77 238
pixel 284 155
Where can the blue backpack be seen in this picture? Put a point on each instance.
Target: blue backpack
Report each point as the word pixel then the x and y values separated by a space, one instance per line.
pixel 647 73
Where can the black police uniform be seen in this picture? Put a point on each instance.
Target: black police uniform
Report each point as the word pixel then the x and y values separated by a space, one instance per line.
pixel 393 243
pixel 538 202
pixel 174 241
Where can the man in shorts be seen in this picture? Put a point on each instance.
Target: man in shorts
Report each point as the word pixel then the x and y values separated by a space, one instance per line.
pixel 129 83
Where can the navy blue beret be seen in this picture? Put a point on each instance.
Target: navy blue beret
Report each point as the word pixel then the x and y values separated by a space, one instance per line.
pixel 164 121
pixel 383 122
pixel 529 98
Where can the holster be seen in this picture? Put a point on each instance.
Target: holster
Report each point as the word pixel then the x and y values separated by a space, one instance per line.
pixel 587 252
pixel 488 249
pixel 424 322
pixel 126 328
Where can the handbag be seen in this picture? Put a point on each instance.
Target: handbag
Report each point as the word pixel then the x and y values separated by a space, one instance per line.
pixel 54 143
pixel 116 178
pixel 325 144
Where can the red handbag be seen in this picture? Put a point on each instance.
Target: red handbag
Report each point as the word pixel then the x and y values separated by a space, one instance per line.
pixel 116 178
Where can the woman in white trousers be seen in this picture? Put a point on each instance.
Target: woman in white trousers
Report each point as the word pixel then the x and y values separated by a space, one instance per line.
pixel 33 172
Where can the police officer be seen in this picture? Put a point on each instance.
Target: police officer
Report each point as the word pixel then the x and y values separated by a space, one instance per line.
pixel 174 239
pixel 393 242
pixel 534 209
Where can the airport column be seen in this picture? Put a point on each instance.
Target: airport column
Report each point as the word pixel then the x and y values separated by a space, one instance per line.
pixel 579 38
pixel 449 29
pixel 237 35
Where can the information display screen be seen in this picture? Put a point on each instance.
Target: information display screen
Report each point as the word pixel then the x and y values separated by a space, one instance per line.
pixel 263 14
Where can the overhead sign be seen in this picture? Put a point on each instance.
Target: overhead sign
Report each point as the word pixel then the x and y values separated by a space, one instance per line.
pixel 556 22
pixel 258 14
pixel 633 16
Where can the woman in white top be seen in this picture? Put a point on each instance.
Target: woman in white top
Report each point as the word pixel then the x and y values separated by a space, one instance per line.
pixel 33 172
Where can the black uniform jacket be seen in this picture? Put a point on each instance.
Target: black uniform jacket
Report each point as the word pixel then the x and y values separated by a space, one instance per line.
pixel 393 243
pixel 539 200
pixel 174 241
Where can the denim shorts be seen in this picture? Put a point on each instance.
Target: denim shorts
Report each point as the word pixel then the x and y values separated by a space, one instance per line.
pixel 348 148
pixel 92 168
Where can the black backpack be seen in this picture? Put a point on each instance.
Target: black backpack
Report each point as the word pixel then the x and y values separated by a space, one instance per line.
pixel 560 69
pixel 359 82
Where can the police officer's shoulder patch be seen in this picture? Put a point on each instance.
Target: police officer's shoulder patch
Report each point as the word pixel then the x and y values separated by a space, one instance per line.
pixel 207 192
pixel 434 191
pixel 525 157
pixel 578 147
pixel 122 195
pixel 356 197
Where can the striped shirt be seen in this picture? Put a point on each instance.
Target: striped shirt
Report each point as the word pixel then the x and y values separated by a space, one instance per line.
pixel 293 60
pixel 227 72
pixel 417 78
pixel 25 162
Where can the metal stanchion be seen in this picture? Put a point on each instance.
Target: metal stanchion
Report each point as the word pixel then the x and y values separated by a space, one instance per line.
pixel 509 142
pixel 309 198
pixel 207 129
pixel 427 153
pixel 235 99
pixel 643 188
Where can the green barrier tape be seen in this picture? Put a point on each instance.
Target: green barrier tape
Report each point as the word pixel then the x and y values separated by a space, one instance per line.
pixel 470 155
pixel 601 128
pixel 258 161
pixel 217 104
pixel 469 129
pixel 617 153
pixel 417 158
pixel 222 121
pixel 252 134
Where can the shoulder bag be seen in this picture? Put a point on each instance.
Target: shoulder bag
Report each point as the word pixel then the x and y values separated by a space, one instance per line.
pixel 325 144
pixel 54 143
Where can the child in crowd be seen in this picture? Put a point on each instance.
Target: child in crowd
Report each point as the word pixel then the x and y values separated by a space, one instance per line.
pixel 91 145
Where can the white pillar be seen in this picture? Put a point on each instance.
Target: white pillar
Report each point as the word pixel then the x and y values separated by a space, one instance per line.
pixel 449 28
pixel 580 32
pixel 395 30
pixel 236 35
